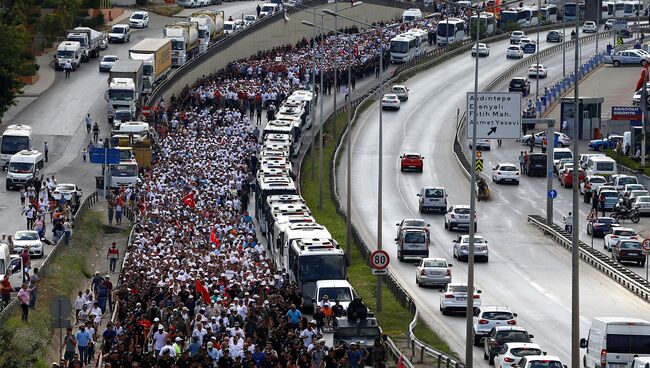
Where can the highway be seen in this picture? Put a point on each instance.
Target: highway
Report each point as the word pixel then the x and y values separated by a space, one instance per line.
pixel 526 271
pixel 57 116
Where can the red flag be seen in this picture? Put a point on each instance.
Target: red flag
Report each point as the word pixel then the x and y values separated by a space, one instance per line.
pixel 400 363
pixel 642 79
pixel 189 200
pixel 204 292
pixel 356 50
pixel 213 236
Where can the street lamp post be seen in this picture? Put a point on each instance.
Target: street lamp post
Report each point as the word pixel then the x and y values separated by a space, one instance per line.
pixel 575 246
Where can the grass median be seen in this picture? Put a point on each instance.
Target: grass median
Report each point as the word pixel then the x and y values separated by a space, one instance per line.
pixel 28 344
pixel 627 162
pixel 394 318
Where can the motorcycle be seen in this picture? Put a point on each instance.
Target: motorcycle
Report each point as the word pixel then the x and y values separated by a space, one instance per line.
pixel 625 214
pixel 482 189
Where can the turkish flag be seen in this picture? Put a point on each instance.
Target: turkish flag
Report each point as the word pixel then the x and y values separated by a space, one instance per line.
pixel 204 292
pixel 189 200
pixel 213 236
pixel 400 363
pixel 642 79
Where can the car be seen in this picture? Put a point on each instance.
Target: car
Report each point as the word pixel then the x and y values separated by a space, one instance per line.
pixel 119 33
pixel 525 40
pixel 239 24
pixel 540 361
pixel 519 84
pixel 501 335
pixel 516 36
pixel 528 46
pixel 514 52
pixel 454 298
pixel 589 27
pixel 483 50
pixel 562 139
pixel 28 239
pixel 584 158
pixel 390 101
pixel 554 36
pixel 139 19
pixel 511 353
pixel 506 172
pixel 559 154
pixel 601 227
pixel 642 204
pixel 485 318
pixel 621 180
pixel 624 33
pixel 66 191
pixel 567 177
pixel 628 251
pixel 536 70
pixel 249 19
pixel 591 183
pixel 457 216
pixel 229 27
pixel 627 190
pixel 560 164
pixel 107 62
pixel 411 223
pixel 605 143
pixel 611 198
pixel 411 161
pixel 401 91
pixel 482 144
pixel 432 199
pixel 638 193
pixel 609 23
pixel 619 233
pixel 433 271
pixel 562 169
pixel 460 249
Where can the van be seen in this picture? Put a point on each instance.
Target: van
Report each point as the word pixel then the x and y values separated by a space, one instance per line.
pixel 68 51
pixel 269 9
pixel 411 15
pixel 536 165
pixel 584 157
pixel 600 165
pixel 615 341
pixel 11 265
pixel 432 199
pixel 641 362
pixel 560 153
pixel 413 243
pixel 620 181
pixel 23 166
pixel 340 290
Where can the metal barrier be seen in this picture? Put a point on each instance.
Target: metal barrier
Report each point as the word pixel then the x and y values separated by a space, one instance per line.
pixel 417 345
pixel 622 275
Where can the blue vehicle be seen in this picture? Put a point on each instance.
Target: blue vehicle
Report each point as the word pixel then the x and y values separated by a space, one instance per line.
pixel 529 48
pixel 606 143
pixel 602 226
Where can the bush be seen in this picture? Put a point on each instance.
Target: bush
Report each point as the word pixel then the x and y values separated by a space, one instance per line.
pixel 27 55
pixel 141 2
pixel 95 22
pixel 513 26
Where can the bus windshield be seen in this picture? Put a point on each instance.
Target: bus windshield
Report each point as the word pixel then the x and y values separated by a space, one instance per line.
pixel 399 47
pixel 315 267
pixel 446 30
pixel 13 144
pixel 124 170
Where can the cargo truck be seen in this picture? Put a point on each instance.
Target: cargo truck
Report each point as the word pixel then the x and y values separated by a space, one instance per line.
pixel 185 41
pixel 89 39
pixel 125 83
pixel 156 57
pixel 210 25
pixel 16 137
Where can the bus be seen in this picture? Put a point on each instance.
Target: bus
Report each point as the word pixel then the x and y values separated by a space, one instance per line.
pixel 287 125
pixel 421 36
pixel 520 16
pixel 606 10
pixel 619 8
pixel 449 31
pixel 571 10
pixel 488 23
pixel 550 13
pixel 630 8
pixel 411 15
pixel 268 185
pixel 403 48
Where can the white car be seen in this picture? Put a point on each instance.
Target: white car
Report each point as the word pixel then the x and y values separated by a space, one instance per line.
pixel 525 40
pixel 433 271
pixel 563 140
pixel 487 317
pixel 401 91
pixel 514 52
pixel 66 191
pixel 537 69
pixel 454 298
pixel 511 353
pixel 627 190
pixel 540 361
pixel 619 233
pixel 592 183
pixel 642 203
pixel 516 36
pixel 563 169
pixel 483 50
pixel 390 101
pixel 460 248
pixel 561 162
pixel 139 19
pixel 229 27
pixel 482 144
pixel 28 238
pixel 249 20
pixel 506 172
pixel 638 193
pixel 589 27
pixel 457 216
pixel 107 62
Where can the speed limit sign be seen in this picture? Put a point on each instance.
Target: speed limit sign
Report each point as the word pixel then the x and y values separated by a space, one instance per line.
pixel 645 245
pixel 379 260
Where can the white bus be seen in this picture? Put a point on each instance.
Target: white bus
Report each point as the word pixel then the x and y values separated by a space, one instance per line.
pixel 403 48
pixel 630 8
pixel 421 36
pixel 619 8
pixel 488 23
pixel 606 10
pixel 519 16
pixel 450 30
pixel 550 13
pixel 268 185
pixel 411 15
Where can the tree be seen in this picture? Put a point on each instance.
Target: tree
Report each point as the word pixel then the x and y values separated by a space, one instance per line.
pixel 13 40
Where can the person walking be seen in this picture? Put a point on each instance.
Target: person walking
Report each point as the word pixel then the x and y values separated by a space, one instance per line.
pixel 531 144
pixel 46 150
pixel 111 210
pixel 70 342
pixel 89 123
pixel 67 231
pixel 113 256
pixel 23 299
pixel 29 213
pixel 67 68
pixel 5 291
pixel 95 132
pixel 521 161
pixel 83 341
pixel 118 214
pixel 379 354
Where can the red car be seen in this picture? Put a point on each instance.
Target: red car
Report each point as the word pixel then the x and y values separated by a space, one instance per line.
pixel 567 178
pixel 411 161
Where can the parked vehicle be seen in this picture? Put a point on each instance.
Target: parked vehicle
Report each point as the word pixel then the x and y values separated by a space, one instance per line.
pixel 89 39
pixel 156 57
pixel 68 51
pixel 125 85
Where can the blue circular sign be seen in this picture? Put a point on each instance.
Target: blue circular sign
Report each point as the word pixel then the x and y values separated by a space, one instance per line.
pixel 552 193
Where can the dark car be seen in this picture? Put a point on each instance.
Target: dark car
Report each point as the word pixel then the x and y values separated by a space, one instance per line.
pixel 500 335
pixel 519 84
pixel 536 165
pixel 554 36
pixel 629 251
pixel 363 331
pixel 625 33
pixel 601 227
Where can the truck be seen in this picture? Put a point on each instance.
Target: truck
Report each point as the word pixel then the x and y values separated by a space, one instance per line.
pixel 89 39
pixel 210 25
pixel 185 41
pixel 125 84
pixel 16 137
pixel 156 57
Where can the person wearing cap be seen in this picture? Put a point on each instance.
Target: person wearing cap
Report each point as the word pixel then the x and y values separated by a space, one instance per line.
pixel 178 345
pixel 213 353
pixel 159 339
pixel 354 355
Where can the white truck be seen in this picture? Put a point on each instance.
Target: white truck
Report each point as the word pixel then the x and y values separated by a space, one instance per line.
pixel 210 25
pixel 68 51
pixel 16 137
pixel 125 84
pixel 185 41
pixel 156 57
pixel 89 39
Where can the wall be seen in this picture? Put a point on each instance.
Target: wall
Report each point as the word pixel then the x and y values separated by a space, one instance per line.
pixel 271 33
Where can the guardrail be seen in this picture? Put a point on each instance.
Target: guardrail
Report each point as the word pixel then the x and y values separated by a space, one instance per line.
pixel 46 266
pixel 622 275
pixel 417 345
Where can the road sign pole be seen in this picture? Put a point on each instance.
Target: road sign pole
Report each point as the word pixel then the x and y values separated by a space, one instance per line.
pixel 646 266
pixel 575 250
pixel 550 147
pixel 105 172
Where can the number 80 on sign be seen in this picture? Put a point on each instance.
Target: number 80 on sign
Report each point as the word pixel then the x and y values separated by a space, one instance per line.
pixel 379 260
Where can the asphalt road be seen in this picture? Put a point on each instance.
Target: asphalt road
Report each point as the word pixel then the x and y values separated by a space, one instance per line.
pixel 57 116
pixel 526 271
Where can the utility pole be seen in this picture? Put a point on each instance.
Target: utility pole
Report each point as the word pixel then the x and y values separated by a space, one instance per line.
pixel 575 251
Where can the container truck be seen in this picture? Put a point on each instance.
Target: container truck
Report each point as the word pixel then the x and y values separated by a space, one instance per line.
pixel 156 57
pixel 210 25
pixel 185 41
pixel 89 39
pixel 16 137
pixel 125 83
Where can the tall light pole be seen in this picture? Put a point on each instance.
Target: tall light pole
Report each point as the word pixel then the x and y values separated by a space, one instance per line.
pixel 539 9
pixel 563 39
pixel 575 246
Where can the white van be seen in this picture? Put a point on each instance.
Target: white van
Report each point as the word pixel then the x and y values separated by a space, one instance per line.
pixel 601 165
pixel 615 341
pixel 432 199
pixel 560 153
pixel 22 167
pixel 641 362
pixel 620 181
pixel 411 15
pixel 340 290
pixel 68 51
pixel 11 265
pixel 269 9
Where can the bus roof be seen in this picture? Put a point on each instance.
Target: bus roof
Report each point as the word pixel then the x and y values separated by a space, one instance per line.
pixel 312 246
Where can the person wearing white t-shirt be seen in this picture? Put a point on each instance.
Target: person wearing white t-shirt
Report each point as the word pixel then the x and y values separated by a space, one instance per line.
pixel 199 332
pixel 307 334
pixel 159 340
